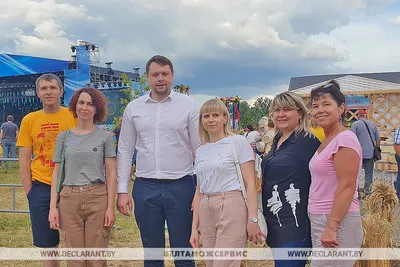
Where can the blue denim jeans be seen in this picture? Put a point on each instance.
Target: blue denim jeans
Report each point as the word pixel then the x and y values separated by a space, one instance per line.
pixel 160 200
pixel 398 176
pixel 39 208
pixel 368 165
pixel 9 147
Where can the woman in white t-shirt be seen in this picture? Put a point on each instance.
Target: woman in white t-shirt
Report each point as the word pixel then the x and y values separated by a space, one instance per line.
pixel 219 209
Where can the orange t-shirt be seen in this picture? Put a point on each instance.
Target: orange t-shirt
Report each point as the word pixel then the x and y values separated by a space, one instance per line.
pixel 39 130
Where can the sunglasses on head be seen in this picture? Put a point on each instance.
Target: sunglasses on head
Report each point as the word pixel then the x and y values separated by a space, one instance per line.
pixel 329 86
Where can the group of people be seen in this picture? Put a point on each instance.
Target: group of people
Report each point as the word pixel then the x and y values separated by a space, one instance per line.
pixel 308 188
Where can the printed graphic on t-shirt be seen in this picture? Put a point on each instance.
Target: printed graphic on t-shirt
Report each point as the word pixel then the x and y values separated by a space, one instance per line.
pixel 47 138
pixel 211 167
pixel 292 197
pixel 275 203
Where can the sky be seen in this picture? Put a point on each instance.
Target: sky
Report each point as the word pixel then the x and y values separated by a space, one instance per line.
pixel 249 48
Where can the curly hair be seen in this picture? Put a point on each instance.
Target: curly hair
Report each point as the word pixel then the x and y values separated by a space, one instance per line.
pixel 99 102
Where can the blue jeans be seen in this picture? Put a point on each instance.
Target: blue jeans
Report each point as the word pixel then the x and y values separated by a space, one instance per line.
pixel 398 176
pixel 39 208
pixel 9 147
pixel 157 201
pixel 368 165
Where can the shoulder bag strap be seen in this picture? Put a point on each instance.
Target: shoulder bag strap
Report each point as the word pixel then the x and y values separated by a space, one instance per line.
pixel 369 133
pixel 238 170
pixel 61 177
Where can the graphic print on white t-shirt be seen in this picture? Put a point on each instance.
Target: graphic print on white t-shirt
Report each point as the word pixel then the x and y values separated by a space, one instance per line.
pixel 293 197
pixel 214 168
pixel 215 165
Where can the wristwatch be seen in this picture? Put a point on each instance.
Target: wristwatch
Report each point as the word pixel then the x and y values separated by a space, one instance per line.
pixel 253 220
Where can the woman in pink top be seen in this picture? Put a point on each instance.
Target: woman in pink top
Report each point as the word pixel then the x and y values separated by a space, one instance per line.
pixel 333 206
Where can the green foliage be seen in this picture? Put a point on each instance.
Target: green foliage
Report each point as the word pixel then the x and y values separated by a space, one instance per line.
pixel 251 115
pixel 144 86
pixel 263 103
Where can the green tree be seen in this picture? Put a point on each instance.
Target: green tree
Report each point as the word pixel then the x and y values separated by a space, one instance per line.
pixel 144 87
pixel 248 115
pixel 263 103
pixel 251 115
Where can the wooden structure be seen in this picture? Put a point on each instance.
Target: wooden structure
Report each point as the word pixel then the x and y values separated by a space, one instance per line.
pixel 380 99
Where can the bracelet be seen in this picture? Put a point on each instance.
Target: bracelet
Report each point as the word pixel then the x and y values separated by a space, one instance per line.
pixel 333 219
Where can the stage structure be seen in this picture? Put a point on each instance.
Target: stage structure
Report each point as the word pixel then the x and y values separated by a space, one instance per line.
pixel 233 105
pixel 18 74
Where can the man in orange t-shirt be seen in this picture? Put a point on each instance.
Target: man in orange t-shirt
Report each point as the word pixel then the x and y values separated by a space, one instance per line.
pixel 37 135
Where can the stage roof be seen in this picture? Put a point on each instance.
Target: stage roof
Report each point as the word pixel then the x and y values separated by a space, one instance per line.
pixel 14 65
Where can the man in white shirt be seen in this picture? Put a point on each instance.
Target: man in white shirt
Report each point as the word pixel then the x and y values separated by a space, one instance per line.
pixel 163 128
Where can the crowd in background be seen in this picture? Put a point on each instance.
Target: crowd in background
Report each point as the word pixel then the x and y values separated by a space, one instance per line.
pixel 299 172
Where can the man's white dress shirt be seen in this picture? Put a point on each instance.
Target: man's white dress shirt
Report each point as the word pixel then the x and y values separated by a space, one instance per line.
pixel 163 133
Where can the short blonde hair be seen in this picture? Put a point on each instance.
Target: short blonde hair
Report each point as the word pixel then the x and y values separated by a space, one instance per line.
pixel 292 101
pixel 213 105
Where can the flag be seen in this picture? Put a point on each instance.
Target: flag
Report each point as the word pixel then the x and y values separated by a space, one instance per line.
pixel 237 112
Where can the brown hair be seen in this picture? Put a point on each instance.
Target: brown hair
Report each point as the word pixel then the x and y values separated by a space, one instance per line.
pixel 160 60
pixel 99 102
pixel 270 123
pixel 49 77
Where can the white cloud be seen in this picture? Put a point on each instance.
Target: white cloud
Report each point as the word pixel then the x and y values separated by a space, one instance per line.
pixel 272 92
pixel 202 98
pixel 48 29
pixel 271 39
pixel 366 46
pixel 396 20
pixel 36 28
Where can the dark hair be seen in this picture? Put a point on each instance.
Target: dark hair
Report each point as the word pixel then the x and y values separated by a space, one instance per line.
pixel 332 88
pixel 10 118
pixel 99 102
pixel 49 77
pixel 250 127
pixel 160 60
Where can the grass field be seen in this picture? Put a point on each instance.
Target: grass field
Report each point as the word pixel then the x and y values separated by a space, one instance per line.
pixel 15 229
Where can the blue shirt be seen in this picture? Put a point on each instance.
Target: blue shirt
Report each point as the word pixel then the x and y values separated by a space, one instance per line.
pixel 364 138
pixel 285 187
